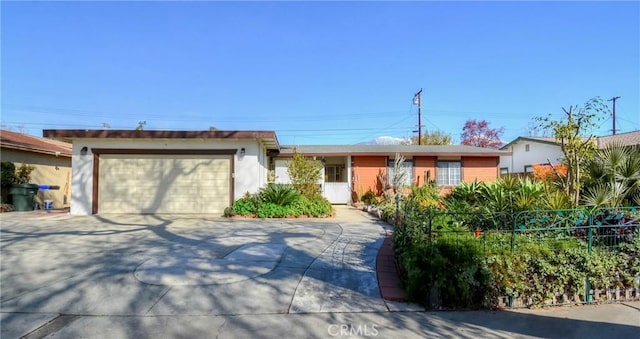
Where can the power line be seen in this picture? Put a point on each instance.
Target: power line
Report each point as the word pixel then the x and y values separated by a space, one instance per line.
pixel 103 114
pixel 323 116
pixel 366 130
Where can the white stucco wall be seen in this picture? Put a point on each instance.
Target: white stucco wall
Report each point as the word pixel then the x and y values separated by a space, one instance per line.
pixel 250 169
pixel 282 176
pixel 538 154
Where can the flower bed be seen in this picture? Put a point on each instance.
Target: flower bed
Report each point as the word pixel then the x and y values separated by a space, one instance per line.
pixel 280 201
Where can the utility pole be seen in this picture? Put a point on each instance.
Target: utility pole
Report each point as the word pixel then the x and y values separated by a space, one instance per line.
pixel 417 101
pixel 614 113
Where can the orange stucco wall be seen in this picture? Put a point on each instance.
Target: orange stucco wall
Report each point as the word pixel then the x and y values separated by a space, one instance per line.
pixel 480 168
pixel 365 173
pixel 424 170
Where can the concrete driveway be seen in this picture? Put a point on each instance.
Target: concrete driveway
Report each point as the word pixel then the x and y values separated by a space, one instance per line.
pixel 121 276
pixel 131 265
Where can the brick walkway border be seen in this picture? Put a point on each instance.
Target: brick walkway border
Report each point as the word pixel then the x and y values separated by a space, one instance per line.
pixel 388 277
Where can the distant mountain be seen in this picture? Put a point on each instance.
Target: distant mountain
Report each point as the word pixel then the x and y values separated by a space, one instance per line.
pixel 384 140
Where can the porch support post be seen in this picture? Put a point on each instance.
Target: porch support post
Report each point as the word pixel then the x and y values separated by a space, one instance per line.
pixel 349 179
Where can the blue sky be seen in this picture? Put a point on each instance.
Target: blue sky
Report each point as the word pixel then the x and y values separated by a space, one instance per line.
pixel 316 73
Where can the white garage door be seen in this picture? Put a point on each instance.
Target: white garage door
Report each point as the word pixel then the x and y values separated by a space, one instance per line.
pixel 163 183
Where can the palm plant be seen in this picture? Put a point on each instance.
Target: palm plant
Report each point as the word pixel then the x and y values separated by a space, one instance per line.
pixel 279 194
pixel 605 194
pixel 466 191
pixel 614 177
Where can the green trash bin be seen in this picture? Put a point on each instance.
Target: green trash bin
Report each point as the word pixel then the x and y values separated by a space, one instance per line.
pixel 23 195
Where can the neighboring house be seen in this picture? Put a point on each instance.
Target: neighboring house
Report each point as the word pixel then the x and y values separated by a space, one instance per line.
pixel 124 171
pixel 528 151
pixel 51 160
pixel 625 139
pixel 350 170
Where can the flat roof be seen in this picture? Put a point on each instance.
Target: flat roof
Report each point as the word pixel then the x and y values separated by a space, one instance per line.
pixel 267 137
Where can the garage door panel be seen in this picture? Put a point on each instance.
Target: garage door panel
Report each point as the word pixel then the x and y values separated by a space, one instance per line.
pixel 164 184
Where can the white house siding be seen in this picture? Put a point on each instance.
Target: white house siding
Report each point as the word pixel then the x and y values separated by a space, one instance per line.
pixel 282 176
pixel 538 154
pixel 250 169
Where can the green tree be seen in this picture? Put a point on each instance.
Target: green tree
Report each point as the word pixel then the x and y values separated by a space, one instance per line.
pixel 304 174
pixel 433 138
pixel 574 131
pixel 140 126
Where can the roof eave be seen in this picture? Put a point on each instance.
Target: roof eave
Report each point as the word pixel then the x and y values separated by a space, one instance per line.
pixel 267 137
pixel 36 150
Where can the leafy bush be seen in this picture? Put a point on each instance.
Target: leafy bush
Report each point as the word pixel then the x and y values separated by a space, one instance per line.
pixel 453 267
pixel 271 210
pixel 246 205
pixel 228 211
pixel 280 201
pixel 499 201
pixel 315 206
pixel 387 207
pixel 8 171
pixel 424 196
pixel 305 174
pixel 370 198
pixel 450 273
pixel 279 194
pixel 23 174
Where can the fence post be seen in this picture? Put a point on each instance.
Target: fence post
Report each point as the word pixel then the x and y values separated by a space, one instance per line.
pixel 431 215
pixel 587 294
pixel 513 232
pixel 397 208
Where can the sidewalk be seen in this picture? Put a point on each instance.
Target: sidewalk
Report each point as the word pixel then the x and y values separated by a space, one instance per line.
pixel 596 321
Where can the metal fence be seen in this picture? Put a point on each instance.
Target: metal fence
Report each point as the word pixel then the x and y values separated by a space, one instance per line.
pixel 587 228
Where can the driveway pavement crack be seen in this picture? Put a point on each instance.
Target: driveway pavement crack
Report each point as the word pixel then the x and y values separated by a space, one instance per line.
pixel 52 326
pixel 634 307
pixel 47 284
pixel 220 328
pixel 293 296
pixel 158 299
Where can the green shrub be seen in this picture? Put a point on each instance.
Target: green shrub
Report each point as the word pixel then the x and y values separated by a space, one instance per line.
pixel 424 196
pixel 271 210
pixel 246 205
pixel 23 173
pixel 370 198
pixel 315 206
pixel 450 273
pixel 278 194
pixel 387 207
pixel 228 211
pixel 450 267
pixel 305 174
pixel 8 171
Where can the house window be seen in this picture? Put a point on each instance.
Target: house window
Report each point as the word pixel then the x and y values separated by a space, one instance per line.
pixel 449 173
pixel 407 166
pixel 334 174
pixel 528 168
pixel 526 148
pixel 504 170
